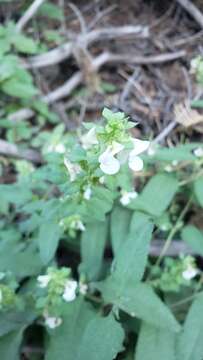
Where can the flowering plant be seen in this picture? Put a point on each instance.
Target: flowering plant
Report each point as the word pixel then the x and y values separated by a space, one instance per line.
pixel 77 260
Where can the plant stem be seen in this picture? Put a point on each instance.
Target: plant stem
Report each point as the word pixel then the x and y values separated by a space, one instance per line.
pixel 172 232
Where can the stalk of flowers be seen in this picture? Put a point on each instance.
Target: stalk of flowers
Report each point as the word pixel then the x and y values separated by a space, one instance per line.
pixel 59 287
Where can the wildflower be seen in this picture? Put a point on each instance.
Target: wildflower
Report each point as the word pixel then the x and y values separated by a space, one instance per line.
pixel 60 148
pixel 135 162
pixel 89 139
pixel 87 193
pixel 43 280
pixel 168 168
pixel 52 322
pixel 73 169
pixel 198 152
pixel 69 292
pixel 108 163
pixel 190 272
pixel 83 288
pixel 127 197
pixel 78 225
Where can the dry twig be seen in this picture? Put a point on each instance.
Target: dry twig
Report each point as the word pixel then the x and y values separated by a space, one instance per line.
pixel 30 12
pixel 192 10
pixel 12 150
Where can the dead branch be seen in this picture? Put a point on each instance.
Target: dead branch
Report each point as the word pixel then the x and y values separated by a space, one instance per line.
pixel 176 248
pixel 192 10
pixel 12 150
pixel 30 12
pixel 77 78
pixel 64 51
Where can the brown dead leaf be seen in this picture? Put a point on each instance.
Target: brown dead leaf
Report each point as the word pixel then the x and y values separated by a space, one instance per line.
pixel 186 116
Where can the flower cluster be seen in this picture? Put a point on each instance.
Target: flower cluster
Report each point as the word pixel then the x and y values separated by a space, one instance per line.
pixel 59 287
pixel 72 224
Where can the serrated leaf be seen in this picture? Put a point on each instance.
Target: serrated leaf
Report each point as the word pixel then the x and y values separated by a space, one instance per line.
pixel 193 237
pixel 120 221
pixel 156 195
pixel 190 345
pixel 93 242
pixel 102 340
pixel 24 44
pixel 64 340
pixel 48 239
pixel 198 189
pixel 155 343
pixel 139 300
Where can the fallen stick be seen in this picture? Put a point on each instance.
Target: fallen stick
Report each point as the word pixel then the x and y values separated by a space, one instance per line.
pixel 192 10
pixel 60 53
pixel 176 248
pixel 29 13
pixel 12 150
pixel 77 78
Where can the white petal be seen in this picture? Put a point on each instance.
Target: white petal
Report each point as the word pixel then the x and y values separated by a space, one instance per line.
pixel 53 322
pixel 43 280
pixel 127 197
pixel 189 273
pixel 140 146
pixel 198 152
pixel 135 162
pixel 83 288
pixel 89 139
pixel 108 163
pixel 79 225
pixel 116 148
pixel 73 169
pixel 87 194
pixel 60 148
pixel 69 292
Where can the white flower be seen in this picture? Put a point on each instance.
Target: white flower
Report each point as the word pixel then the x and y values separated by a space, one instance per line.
pixel 87 193
pixel 135 162
pixel 189 273
pixel 83 288
pixel 69 292
pixel 108 163
pixel 127 197
pixel 43 280
pixel 73 169
pixel 198 152
pixel 78 225
pixel 53 322
pixel 89 139
pixel 168 168
pixel 102 180
pixel 60 148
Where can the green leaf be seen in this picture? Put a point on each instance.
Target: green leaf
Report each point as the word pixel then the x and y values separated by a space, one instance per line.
pixel 65 339
pixel 120 221
pixel 16 88
pixel 24 44
pixel 48 239
pixel 156 195
pixel 193 237
pixel 14 320
pixel 92 249
pixel 10 344
pixel 190 345
pixel 51 11
pixel 198 189
pixel 130 261
pixel 102 340
pixel 155 343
